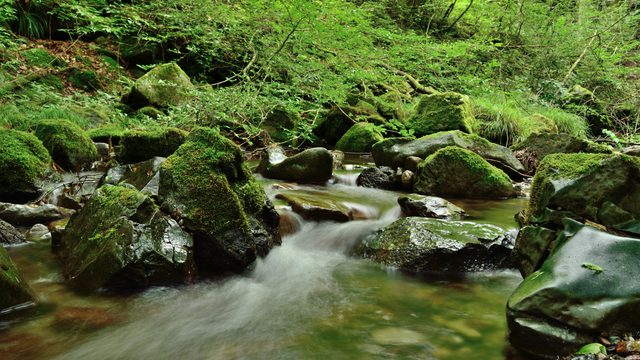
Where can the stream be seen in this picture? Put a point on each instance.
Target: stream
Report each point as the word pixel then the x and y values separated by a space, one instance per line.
pixel 308 299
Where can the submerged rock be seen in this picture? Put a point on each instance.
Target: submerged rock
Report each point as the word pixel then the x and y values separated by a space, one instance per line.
pixel 313 165
pixel 69 146
pixel 394 152
pixel 24 162
pixel 316 208
pixel 163 86
pixel 9 235
pixel 121 239
pixel 14 290
pixel 441 112
pixel 28 215
pixel 582 290
pixel 207 185
pixel 431 245
pixel 430 206
pixel 382 177
pixel 456 172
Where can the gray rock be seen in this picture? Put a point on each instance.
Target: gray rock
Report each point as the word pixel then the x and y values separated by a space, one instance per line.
pixel 103 150
pixel 14 290
pixel 382 177
pixel 430 206
pixel 27 215
pixel 313 165
pixel 9 235
pixel 317 208
pixel 39 232
pixel 144 176
pixel 406 179
pixel 632 150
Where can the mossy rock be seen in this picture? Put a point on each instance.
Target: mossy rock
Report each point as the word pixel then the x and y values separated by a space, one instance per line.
pixel 441 112
pixel 41 58
pixel 207 184
pixel 597 187
pixel 420 245
pixel 279 121
pixel 120 239
pixel 163 86
pixel 393 152
pixel 53 81
pixel 359 138
pixel 532 150
pixel 14 290
pixel 141 145
pixel 313 166
pixel 84 79
pixel 456 172
pixel 69 146
pixel 340 119
pixel 583 102
pixel 24 162
pixel 151 112
pixel 110 134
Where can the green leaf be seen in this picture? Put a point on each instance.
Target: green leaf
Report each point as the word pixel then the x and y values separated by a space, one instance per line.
pixel 593 348
pixel 595 268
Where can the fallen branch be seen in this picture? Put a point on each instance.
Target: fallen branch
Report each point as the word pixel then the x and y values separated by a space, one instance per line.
pixel 415 84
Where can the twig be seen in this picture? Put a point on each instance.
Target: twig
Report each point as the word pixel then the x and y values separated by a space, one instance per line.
pixel 460 16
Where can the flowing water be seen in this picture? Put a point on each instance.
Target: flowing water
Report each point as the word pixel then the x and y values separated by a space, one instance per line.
pixel 306 300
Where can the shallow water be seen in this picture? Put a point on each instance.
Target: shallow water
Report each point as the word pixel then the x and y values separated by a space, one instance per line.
pixel 306 300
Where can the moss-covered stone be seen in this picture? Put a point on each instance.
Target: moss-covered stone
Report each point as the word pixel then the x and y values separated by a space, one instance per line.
pixel 151 112
pixel 110 134
pixel 84 79
pixel 340 119
pixel 313 165
pixel 41 58
pixel 69 146
pixel 141 145
pixel 163 86
pixel 14 290
pixel 279 121
pixel 457 172
pixel 393 152
pixel 207 184
pixel 23 163
pixel 359 138
pixel 417 244
pixel 120 239
pixel 441 112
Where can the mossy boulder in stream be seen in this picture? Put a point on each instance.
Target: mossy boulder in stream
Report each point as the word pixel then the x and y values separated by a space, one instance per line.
pixel 359 138
pixel 14 290
pixel 429 206
pixel 441 112
pixel 584 289
pixel 24 162
pixel 69 146
pixel 457 172
pixel 141 145
pixel 207 185
pixel 163 86
pixel 394 152
pixel 313 165
pixel 417 244
pixel 120 239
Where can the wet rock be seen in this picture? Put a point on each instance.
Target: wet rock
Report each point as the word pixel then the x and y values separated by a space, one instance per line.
pixel 313 165
pixel 430 206
pixel 382 177
pixel 315 208
pixel 533 149
pixel 144 176
pixel 338 158
pixel 24 162
pixel 120 239
pixel 69 201
pixel 441 112
pixel 289 222
pixel 431 245
pixel 394 152
pixel 9 235
pixel 456 172
pixel 163 86
pixel 207 185
pixel 411 163
pixel 104 151
pixel 27 215
pixel 406 179
pixel 14 290
pixel 583 289
pixel 39 232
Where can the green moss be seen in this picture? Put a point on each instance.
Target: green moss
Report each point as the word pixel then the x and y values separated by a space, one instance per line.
pixel 69 146
pixel 39 58
pixel 23 161
pixel 163 86
pixel 359 138
pixel 14 290
pixel 53 81
pixel 141 145
pixel 84 79
pixel 441 112
pixel 279 121
pixel 107 134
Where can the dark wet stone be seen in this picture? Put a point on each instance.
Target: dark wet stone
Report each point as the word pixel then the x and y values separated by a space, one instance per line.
pixel 27 215
pixel 382 177
pixel 430 206
pixel 9 235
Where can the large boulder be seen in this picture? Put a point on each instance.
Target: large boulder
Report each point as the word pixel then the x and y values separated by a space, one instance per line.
pixel 163 86
pixel 534 148
pixel 23 164
pixel 417 244
pixel 359 138
pixel 144 176
pixel 69 146
pixel 382 177
pixel 9 235
pixel 141 145
pixel 456 172
pixel 120 239
pixel 14 290
pixel 441 112
pixel 429 206
pixel 207 185
pixel 395 151
pixel 27 215
pixel 584 289
pixel 313 165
